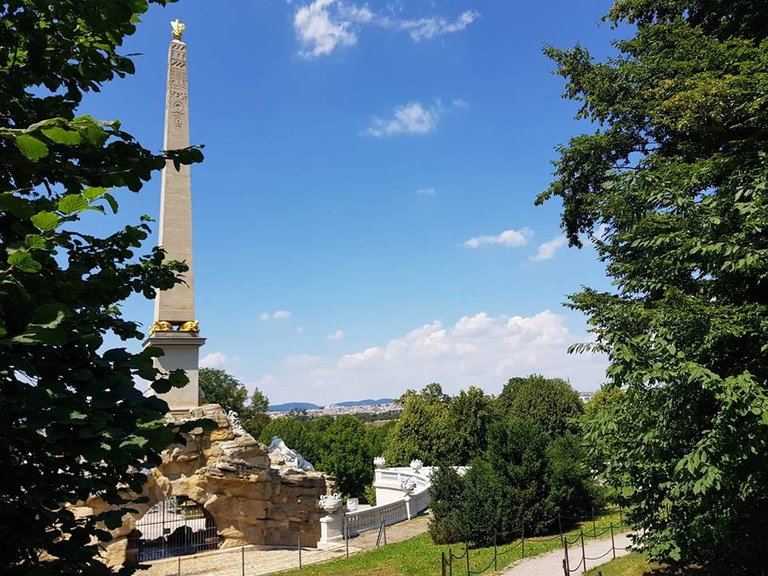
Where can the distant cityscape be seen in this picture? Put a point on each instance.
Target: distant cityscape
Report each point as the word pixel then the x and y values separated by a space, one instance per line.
pixel 380 406
pixel 369 406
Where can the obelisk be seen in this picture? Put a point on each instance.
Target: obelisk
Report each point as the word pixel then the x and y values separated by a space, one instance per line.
pixel 175 329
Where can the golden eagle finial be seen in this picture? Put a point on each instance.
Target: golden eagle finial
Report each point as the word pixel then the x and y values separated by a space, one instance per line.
pixel 178 29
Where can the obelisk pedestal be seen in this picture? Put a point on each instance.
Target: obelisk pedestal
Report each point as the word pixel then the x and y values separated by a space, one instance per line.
pixel 175 329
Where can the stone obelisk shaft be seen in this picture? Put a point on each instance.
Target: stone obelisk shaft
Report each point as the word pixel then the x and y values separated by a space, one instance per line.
pixel 177 305
pixel 175 330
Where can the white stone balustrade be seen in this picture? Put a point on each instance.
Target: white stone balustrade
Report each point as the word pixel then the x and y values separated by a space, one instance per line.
pixel 401 493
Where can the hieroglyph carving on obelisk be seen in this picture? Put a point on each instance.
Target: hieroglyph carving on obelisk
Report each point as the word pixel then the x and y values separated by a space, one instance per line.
pixel 175 328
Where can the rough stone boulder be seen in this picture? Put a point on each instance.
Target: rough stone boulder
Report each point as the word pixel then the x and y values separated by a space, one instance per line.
pixel 228 473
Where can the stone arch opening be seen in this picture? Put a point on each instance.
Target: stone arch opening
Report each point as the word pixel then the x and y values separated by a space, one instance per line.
pixel 176 526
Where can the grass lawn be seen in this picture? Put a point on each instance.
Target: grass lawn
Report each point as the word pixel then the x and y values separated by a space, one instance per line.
pixel 631 565
pixel 420 557
pixel 638 565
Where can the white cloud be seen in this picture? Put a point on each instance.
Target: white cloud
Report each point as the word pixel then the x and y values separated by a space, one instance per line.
pixel 428 28
pixel 276 315
pixel 547 250
pixel 318 31
pixel 512 238
pixel 216 360
pixel 337 335
pixel 324 25
pixel 477 350
pixel 411 118
pixel 426 191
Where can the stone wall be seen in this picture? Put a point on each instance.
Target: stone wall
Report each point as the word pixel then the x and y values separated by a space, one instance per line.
pixel 229 474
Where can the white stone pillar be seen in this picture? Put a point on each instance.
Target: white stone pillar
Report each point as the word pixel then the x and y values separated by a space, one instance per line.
pixel 408 506
pixel 331 531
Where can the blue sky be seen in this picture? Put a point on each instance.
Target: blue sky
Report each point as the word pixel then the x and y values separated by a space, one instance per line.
pixel 364 218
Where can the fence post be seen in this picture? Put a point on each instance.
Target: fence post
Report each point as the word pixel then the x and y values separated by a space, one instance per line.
pixel 346 534
pixel 442 563
pixel 594 528
pixel 583 555
pixel 495 554
pixel 450 564
pixel 242 560
pixel 565 568
pixel 466 551
pixel 300 566
pixel 613 544
pixel 178 569
pixel 523 539
pixel 565 553
pixel 560 527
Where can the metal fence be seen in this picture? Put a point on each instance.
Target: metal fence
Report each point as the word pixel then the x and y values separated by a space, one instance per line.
pixel 174 527
pixel 462 565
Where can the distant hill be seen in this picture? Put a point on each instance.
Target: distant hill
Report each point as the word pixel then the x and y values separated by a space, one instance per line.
pixel 368 402
pixel 293 406
pixel 309 406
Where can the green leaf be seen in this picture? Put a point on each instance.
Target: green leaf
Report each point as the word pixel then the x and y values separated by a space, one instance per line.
pixel 112 202
pixel 46 220
pixel 31 147
pixel 62 136
pixel 23 261
pixel 34 241
pixel 92 193
pixel 50 315
pixel 73 203
pixel 138 441
pixel 15 205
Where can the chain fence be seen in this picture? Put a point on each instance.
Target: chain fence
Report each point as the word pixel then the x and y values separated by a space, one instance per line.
pixel 461 565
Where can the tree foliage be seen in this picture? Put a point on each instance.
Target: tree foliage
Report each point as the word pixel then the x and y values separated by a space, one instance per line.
pixel 423 429
pixel 673 185
pixel 347 454
pixel 520 484
pixel 549 401
pixel 470 414
pixel 72 424
pixel 222 388
pixel 527 463
pixel 435 427
pixel 342 447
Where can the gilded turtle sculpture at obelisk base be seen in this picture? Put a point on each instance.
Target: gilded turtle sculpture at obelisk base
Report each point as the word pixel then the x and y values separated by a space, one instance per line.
pixel 175 329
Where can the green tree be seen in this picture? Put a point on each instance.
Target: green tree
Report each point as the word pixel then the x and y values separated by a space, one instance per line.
pixel 470 414
pixel 347 455
pixel 446 525
pixel 222 388
pixel 551 402
pixel 572 490
pixel 379 434
pixel 599 428
pixel 72 423
pixel 423 430
pixel 297 435
pixel 673 185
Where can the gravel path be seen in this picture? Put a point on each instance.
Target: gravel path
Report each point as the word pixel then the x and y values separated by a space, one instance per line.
pixel 551 563
pixel 260 561
pixel 395 533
